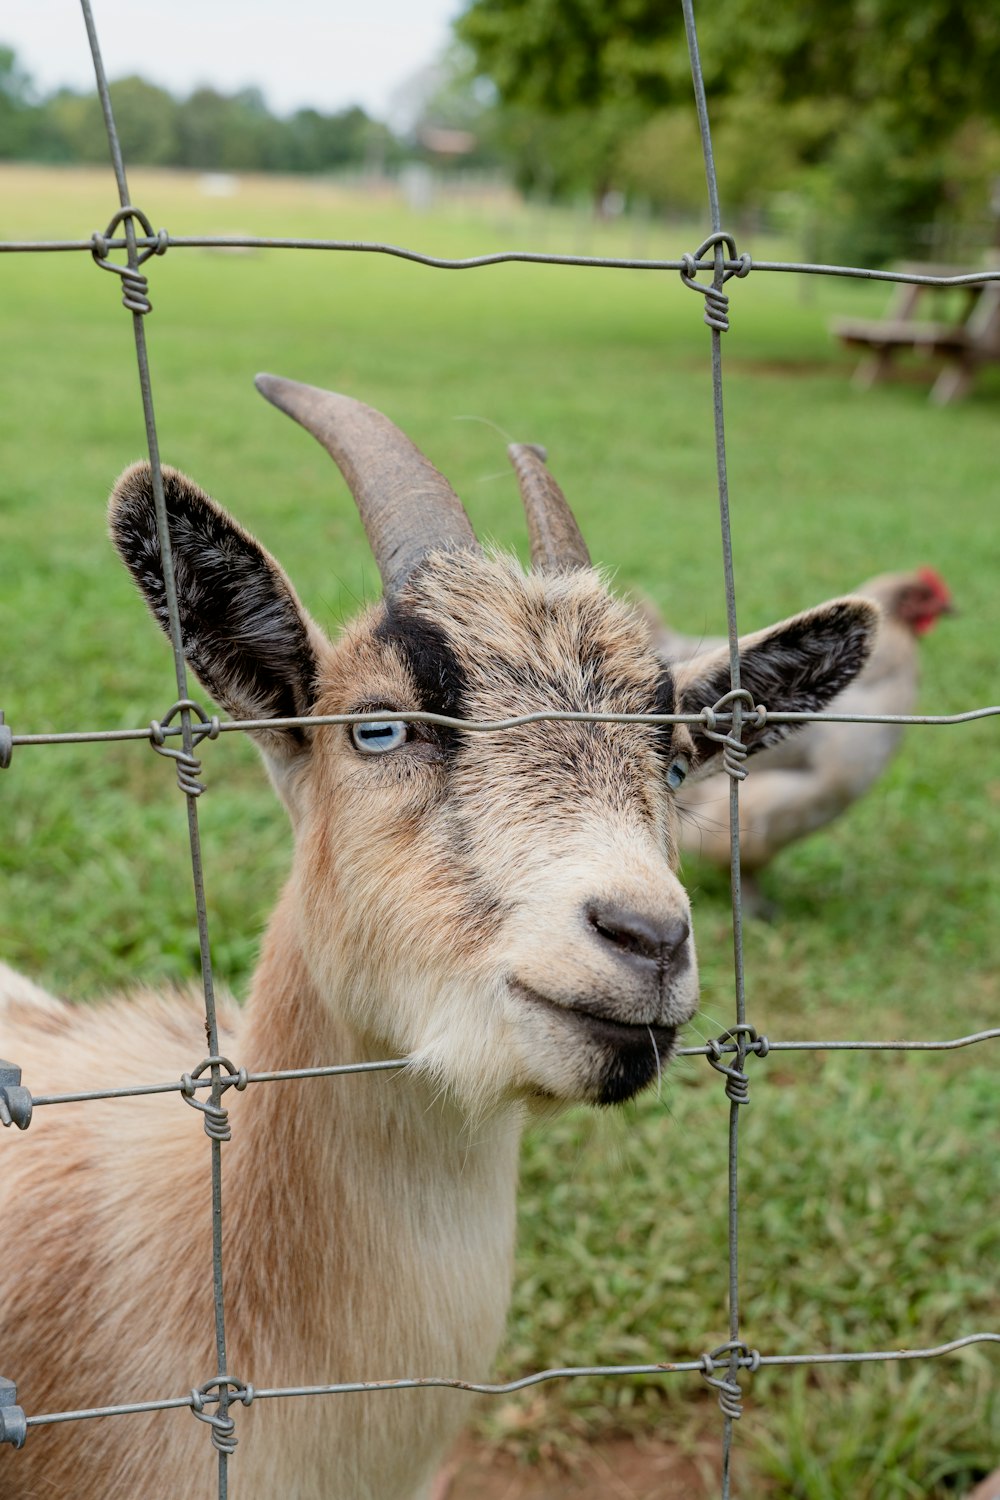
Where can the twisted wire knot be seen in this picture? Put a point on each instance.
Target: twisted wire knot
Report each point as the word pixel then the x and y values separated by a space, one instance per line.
pixel 730 1394
pixel 6 743
pixel 135 291
pixel 747 1040
pixel 734 752
pixel 224 1439
pixel 188 765
pixel 216 1118
pixel 135 286
pixel 15 1101
pixel 13 1423
pixel 716 300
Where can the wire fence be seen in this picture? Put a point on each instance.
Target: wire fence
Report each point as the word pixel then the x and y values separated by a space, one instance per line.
pixel 180 732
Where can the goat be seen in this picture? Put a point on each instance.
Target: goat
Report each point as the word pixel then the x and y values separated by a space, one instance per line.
pixel 501 910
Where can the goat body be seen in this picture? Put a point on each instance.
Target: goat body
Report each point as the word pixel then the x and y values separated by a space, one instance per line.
pixel 501 910
pixel 112 1300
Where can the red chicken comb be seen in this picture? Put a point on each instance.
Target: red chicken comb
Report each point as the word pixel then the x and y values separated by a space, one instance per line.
pixel 936 583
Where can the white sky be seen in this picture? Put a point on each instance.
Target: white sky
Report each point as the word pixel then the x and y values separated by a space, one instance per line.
pixel 325 53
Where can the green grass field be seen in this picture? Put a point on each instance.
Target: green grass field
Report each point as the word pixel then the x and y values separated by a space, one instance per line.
pixel 869 1183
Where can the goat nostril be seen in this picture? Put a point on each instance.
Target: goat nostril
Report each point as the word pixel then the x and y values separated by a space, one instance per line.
pixel 656 938
pixel 675 934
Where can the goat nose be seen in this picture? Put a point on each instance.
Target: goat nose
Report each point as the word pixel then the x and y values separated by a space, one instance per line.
pixel 658 939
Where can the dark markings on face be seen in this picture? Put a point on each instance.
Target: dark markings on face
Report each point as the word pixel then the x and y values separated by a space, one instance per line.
pixel 437 674
pixel 628 1070
pixel 663 703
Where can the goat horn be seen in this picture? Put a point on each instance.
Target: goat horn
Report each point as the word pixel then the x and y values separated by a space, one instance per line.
pixel 556 541
pixel 407 507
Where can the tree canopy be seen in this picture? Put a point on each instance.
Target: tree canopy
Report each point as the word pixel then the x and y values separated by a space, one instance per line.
pixel 939 59
pixel 208 130
pixel 891 106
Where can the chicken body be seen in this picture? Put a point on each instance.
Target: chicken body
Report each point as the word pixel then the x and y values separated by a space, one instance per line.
pixel 803 783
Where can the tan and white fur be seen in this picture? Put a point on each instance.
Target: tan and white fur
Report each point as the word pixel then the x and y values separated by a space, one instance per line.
pixel 502 910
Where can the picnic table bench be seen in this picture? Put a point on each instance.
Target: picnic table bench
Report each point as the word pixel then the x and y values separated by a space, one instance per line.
pixel 964 342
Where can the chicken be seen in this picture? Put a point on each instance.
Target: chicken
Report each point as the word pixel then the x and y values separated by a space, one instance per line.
pixel 806 781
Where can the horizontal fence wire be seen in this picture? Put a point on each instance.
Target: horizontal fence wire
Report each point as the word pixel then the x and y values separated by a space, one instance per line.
pixel 159 243
pixel 494 726
pixel 540 1377
pixel 722 1367
pixel 717 1048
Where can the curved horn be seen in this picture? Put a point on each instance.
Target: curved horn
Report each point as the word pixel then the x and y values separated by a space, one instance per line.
pixel 407 507
pixel 556 541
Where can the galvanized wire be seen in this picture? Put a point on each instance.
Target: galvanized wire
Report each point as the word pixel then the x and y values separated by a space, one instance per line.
pixel 714 1049
pixel 751 1360
pixel 131 232
pixel 716 316
pixel 163 240
pixel 492 726
pixel 136 300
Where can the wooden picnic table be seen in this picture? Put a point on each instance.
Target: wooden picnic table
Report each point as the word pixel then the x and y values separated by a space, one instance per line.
pixel 963 342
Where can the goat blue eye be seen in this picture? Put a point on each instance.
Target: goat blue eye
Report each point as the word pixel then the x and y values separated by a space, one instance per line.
pixel 379 737
pixel 676 772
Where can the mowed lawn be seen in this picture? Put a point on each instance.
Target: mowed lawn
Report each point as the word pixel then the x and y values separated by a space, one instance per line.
pixel 869 1182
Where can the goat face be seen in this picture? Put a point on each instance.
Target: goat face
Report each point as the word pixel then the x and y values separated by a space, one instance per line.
pixel 505 903
pixel 501 907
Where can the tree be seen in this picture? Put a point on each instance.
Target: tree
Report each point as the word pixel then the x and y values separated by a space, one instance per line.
pixel 15 104
pixel 314 142
pixel 229 132
pixel 870 92
pixel 147 121
pixel 939 58
pixel 209 130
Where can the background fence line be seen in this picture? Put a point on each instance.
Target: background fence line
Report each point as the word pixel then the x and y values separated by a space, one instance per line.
pixel 718 256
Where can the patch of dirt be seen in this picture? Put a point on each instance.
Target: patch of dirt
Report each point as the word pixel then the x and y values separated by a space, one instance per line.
pixel 623 1469
pixel 620 1469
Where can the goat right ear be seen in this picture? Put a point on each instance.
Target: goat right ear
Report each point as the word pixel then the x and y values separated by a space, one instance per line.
pixel 796 666
pixel 244 632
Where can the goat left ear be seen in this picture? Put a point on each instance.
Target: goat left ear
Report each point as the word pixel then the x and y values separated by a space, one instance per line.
pixel 243 630
pixel 794 667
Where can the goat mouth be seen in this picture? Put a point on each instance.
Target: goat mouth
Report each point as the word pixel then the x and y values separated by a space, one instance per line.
pixel 590 1015
pixel 634 1053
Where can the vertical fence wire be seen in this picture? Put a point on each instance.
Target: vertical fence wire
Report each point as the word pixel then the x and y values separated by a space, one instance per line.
pixel 727 1053
pixel 717 328
pixel 223 1423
